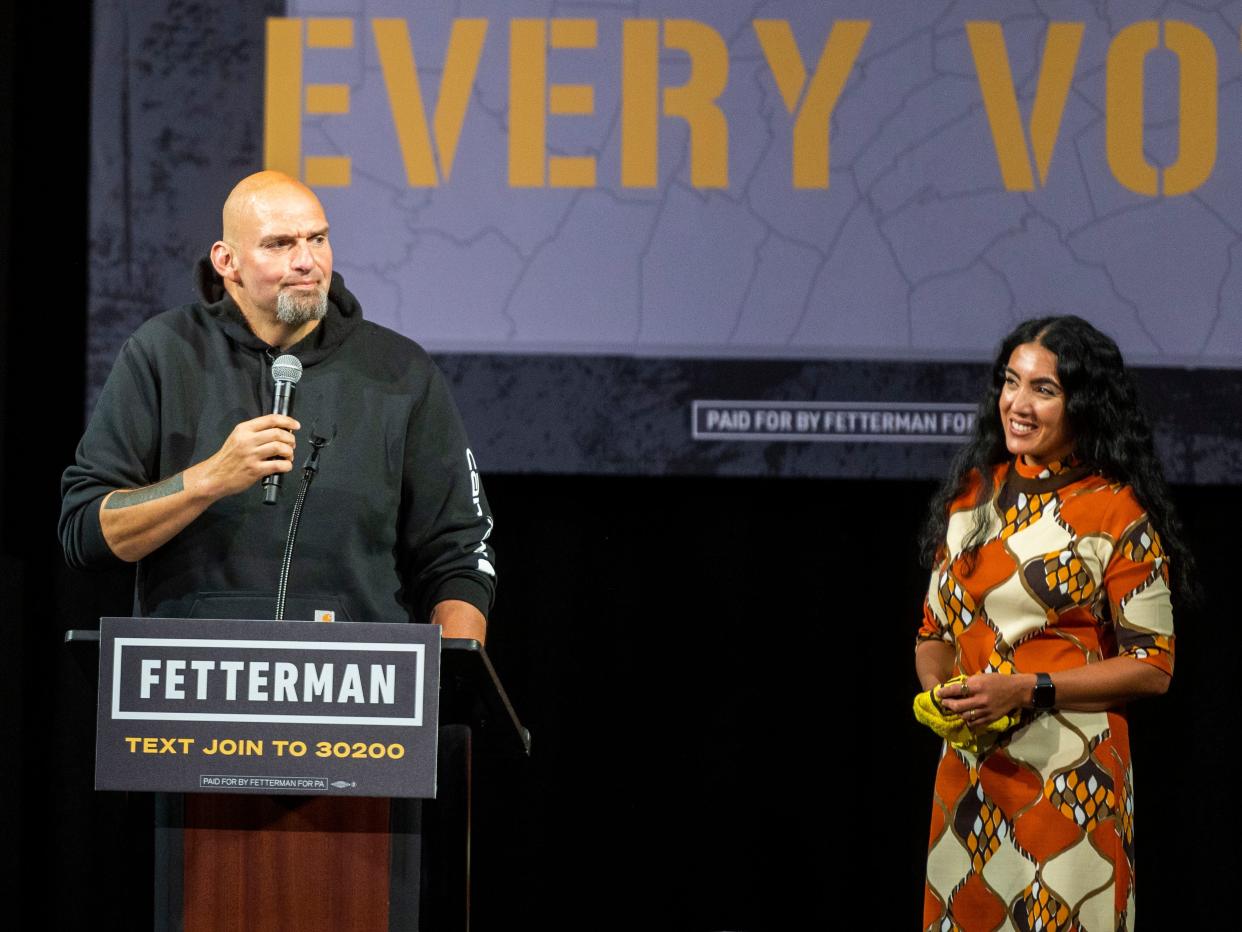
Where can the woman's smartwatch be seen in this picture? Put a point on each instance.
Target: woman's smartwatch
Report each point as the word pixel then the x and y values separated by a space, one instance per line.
pixel 1045 694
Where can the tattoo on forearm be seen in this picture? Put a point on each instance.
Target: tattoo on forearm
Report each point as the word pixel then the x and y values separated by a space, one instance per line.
pixel 165 487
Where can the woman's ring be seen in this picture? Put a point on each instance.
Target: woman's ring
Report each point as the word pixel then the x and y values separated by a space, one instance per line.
pixel 965 690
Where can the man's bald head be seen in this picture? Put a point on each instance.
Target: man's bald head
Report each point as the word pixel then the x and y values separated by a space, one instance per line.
pixel 254 195
pixel 274 256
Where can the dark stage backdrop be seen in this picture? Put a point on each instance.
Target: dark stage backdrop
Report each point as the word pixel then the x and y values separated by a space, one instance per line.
pixel 717 671
pixel 720 701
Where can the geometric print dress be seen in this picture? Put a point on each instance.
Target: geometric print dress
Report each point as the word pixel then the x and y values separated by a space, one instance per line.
pixel 1037 831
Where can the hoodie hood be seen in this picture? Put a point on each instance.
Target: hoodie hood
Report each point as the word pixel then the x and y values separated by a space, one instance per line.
pixel 343 317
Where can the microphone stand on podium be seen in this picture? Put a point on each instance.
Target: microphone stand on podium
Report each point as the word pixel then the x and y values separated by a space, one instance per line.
pixel 327 838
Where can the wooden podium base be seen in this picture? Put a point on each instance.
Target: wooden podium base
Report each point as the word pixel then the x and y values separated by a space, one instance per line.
pixel 273 862
pixel 318 864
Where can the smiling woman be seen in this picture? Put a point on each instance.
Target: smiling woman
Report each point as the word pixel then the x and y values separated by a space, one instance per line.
pixel 1048 609
pixel 1032 407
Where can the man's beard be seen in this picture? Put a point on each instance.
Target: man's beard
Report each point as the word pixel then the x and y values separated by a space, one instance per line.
pixel 299 307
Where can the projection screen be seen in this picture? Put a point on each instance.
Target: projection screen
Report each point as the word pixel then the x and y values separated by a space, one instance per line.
pixel 691 237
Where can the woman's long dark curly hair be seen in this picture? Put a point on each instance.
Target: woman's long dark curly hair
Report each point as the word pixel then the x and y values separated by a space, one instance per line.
pixel 1110 434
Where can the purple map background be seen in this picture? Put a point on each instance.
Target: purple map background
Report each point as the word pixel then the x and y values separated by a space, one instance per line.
pixel 577 326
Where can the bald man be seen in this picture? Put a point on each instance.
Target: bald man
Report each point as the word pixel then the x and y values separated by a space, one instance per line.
pixel 168 472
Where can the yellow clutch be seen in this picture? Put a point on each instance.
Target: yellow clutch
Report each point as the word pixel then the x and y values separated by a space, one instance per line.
pixel 953 728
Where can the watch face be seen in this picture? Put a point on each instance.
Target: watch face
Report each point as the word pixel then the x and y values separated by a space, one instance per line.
pixel 1045 695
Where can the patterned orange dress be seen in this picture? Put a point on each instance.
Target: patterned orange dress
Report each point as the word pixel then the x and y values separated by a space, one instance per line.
pixel 1037 832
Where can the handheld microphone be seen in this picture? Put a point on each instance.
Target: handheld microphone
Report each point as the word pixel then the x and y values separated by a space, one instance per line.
pixel 286 371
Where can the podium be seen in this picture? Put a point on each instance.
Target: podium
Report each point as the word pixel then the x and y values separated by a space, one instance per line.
pixel 337 863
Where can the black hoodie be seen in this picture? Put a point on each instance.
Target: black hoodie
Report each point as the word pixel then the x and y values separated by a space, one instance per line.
pixel 395 520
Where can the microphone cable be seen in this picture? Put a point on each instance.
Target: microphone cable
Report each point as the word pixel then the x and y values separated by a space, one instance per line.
pixel 309 469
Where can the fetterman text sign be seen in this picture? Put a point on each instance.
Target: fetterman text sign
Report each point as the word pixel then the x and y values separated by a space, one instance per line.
pixel 230 706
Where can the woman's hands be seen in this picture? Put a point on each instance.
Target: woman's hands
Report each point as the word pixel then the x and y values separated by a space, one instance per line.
pixel 985 697
pixel 1093 687
pixel 982 699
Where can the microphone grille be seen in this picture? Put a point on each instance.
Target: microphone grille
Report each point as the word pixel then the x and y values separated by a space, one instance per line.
pixel 286 369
